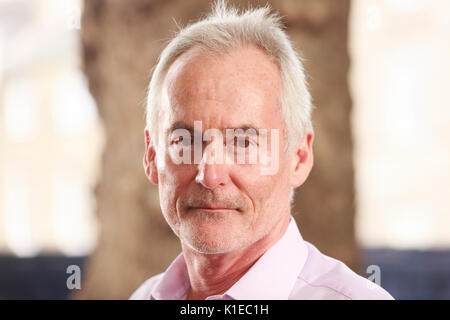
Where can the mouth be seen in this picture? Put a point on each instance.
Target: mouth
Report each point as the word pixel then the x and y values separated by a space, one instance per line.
pixel 213 209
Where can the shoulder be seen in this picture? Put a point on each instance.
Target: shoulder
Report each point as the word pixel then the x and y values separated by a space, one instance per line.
pixel 323 277
pixel 145 289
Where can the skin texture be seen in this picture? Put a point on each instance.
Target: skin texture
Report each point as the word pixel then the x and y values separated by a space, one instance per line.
pixel 252 211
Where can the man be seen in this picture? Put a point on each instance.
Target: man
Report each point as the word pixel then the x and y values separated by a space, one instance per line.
pixel 236 72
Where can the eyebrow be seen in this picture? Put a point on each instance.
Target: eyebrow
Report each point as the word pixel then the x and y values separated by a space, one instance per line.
pixel 180 125
pixel 183 125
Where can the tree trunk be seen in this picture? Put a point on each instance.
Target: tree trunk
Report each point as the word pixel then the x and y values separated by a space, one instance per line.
pixel 121 41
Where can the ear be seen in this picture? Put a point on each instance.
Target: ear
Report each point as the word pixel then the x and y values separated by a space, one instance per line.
pixel 302 160
pixel 149 162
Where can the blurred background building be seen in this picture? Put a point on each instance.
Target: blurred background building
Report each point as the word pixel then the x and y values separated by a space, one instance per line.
pixel 52 138
pixel 50 142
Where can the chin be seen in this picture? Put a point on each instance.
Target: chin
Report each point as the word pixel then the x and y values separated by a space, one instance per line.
pixel 212 243
pixel 208 248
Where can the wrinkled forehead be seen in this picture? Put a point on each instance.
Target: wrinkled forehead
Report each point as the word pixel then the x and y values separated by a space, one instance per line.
pixel 242 83
pixel 245 65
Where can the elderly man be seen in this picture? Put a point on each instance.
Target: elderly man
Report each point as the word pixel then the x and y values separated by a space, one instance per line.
pixel 228 138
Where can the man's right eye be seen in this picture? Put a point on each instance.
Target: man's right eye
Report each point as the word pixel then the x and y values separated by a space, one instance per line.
pixel 182 142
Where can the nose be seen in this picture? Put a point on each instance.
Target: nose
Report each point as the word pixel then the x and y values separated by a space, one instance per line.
pixel 212 171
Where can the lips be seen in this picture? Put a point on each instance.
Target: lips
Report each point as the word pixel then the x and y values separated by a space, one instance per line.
pixel 213 208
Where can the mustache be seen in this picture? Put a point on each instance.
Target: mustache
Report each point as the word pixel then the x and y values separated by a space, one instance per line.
pixel 204 199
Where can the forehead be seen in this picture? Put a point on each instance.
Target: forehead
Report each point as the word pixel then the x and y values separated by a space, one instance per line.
pixel 240 85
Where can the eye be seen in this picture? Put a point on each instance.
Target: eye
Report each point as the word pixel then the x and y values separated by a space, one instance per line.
pixel 184 142
pixel 242 142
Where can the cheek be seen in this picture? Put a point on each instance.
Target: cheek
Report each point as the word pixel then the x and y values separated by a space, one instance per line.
pixel 173 179
pixel 268 191
pixel 257 187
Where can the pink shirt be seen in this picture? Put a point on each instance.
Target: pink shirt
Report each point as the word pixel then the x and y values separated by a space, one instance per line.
pixel 291 269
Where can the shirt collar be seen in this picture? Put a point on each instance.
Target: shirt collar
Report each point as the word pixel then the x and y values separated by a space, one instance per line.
pixel 272 277
pixel 174 282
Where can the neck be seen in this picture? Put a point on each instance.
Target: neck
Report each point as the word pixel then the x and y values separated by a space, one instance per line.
pixel 213 274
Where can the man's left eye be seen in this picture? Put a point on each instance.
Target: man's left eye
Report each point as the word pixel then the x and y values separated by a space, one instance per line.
pixel 242 142
pixel 182 142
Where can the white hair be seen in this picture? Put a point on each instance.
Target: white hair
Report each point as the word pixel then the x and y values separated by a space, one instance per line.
pixel 227 28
